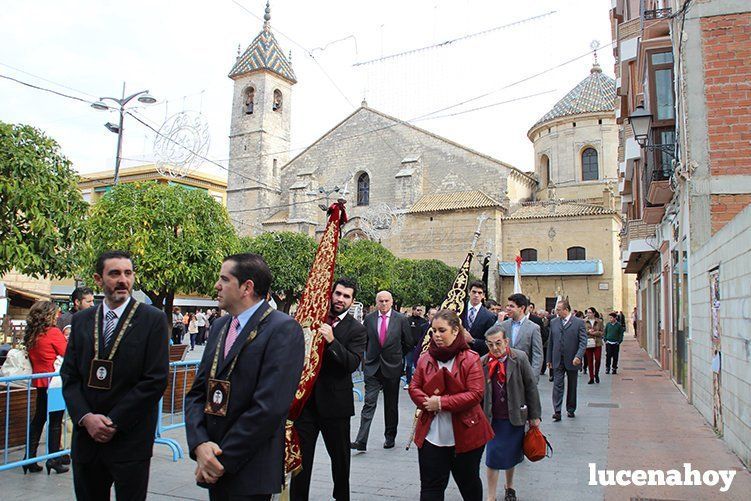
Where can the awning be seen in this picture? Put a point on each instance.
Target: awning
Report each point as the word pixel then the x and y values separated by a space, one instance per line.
pixel 552 268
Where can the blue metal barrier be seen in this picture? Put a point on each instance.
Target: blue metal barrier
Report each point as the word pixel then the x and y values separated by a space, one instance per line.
pixel 187 365
pixel 54 396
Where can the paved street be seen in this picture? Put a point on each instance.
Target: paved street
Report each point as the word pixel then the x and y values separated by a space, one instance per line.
pixel 635 420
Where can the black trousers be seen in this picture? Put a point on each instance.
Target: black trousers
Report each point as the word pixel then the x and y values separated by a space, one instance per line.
pixel 436 463
pixel 611 355
pixel 335 432
pixel 201 334
pixel 177 334
pixel 37 425
pixel 373 385
pixel 559 373
pixel 93 480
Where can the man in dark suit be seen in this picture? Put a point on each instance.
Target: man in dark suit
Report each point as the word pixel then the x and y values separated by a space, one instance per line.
pixel 477 319
pixel 235 412
pixel 389 337
pixel 330 406
pixel 566 345
pixel 112 386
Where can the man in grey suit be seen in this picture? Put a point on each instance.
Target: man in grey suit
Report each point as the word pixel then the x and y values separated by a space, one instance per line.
pixel 566 345
pixel 389 337
pixel 524 335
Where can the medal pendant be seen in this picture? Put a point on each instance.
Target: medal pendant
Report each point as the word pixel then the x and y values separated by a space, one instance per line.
pixel 217 397
pixel 100 374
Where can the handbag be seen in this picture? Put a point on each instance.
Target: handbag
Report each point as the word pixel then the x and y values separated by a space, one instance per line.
pixel 591 342
pixel 536 444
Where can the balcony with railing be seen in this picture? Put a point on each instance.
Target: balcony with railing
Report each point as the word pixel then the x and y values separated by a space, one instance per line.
pixel 637 244
pixel 655 18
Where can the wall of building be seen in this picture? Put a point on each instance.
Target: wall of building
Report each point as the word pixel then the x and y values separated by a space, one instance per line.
pixel 730 251
pixel 597 234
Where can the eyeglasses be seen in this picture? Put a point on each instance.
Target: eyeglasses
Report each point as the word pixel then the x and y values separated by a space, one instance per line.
pixel 495 344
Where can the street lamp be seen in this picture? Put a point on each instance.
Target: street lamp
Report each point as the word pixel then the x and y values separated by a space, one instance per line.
pixel 143 97
pixel 641 124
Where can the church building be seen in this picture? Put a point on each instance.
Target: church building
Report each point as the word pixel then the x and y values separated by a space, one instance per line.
pixel 409 188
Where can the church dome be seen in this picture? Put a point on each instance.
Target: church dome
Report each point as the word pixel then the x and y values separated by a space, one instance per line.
pixel 264 53
pixel 594 94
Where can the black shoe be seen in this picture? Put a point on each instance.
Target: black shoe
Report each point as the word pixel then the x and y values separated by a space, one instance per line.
pixel 357 446
pixel 591 381
pixel 615 371
pixel 31 467
pixel 550 379
pixel 65 459
pixel 57 465
pixel 510 495
pixel 557 416
pixel 389 443
pixel 597 379
pixel 571 414
pixel 607 371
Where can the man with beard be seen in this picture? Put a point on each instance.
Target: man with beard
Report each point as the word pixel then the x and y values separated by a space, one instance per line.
pixel 82 298
pixel 114 373
pixel 330 406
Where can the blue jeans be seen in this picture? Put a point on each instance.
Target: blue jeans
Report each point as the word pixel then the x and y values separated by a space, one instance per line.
pixel 409 364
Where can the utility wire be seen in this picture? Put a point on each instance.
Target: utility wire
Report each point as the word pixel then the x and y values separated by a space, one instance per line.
pixel 451 41
pixel 48 80
pixel 45 89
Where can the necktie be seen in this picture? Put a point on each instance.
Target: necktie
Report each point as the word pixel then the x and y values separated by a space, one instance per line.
pixel 231 335
pixel 110 321
pixel 332 321
pixel 384 327
pixel 471 317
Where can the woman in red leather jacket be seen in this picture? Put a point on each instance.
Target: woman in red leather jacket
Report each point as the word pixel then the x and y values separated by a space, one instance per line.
pixel 452 430
pixel 44 342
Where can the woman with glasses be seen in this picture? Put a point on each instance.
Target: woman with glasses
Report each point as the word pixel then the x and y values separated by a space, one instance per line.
pixel 452 430
pixel 511 400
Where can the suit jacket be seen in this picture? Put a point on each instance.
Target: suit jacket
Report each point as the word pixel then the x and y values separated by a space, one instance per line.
pixel 389 357
pixel 543 328
pixel 569 341
pixel 521 389
pixel 139 378
pixel 332 393
pixel 529 340
pixel 262 387
pixel 484 320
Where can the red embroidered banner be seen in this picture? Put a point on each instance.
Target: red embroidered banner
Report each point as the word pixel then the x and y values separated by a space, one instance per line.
pixel 311 313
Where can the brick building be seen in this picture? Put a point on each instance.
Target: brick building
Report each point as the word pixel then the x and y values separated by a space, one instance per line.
pixel 686 186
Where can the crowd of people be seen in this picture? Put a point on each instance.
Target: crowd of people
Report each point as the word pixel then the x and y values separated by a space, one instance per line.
pixel 473 378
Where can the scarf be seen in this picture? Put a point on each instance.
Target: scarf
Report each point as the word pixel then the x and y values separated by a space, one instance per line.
pixel 446 353
pixel 497 365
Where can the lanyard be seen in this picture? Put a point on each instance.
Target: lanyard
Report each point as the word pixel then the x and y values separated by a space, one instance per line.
pixel 120 334
pixel 220 343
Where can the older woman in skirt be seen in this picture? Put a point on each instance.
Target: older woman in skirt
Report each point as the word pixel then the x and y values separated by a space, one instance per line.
pixel 511 398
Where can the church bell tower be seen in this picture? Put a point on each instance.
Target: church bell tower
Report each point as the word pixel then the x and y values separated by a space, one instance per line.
pixel 259 130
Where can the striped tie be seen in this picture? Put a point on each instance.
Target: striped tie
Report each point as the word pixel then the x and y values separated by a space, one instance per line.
pixel 110 322
pixel 471 317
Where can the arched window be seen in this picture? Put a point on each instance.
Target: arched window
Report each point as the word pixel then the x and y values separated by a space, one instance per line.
pixel 544 171
pixel 589 165
pixel 576 254
pixel 363 189
pixel 528 254
pixel 250 94
pixel 277 105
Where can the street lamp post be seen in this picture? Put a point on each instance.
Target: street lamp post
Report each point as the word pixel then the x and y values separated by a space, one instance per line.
pixel 143 97
pixel 641 123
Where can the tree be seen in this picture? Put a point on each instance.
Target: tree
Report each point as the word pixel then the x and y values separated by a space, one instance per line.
pixel 422 281
pixel 290 257
pixel 371 264
pixel 177 237
pixel 42 211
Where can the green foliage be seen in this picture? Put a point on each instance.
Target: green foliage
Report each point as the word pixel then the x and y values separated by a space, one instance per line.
pixel 178 237
pixel 290 257
pixel 422 282
pixel 42 212
pixel 371 264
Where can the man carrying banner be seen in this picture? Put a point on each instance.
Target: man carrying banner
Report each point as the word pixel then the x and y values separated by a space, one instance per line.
pixel 330 406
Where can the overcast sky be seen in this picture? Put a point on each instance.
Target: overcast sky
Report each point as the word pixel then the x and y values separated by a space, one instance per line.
pixel 182 51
